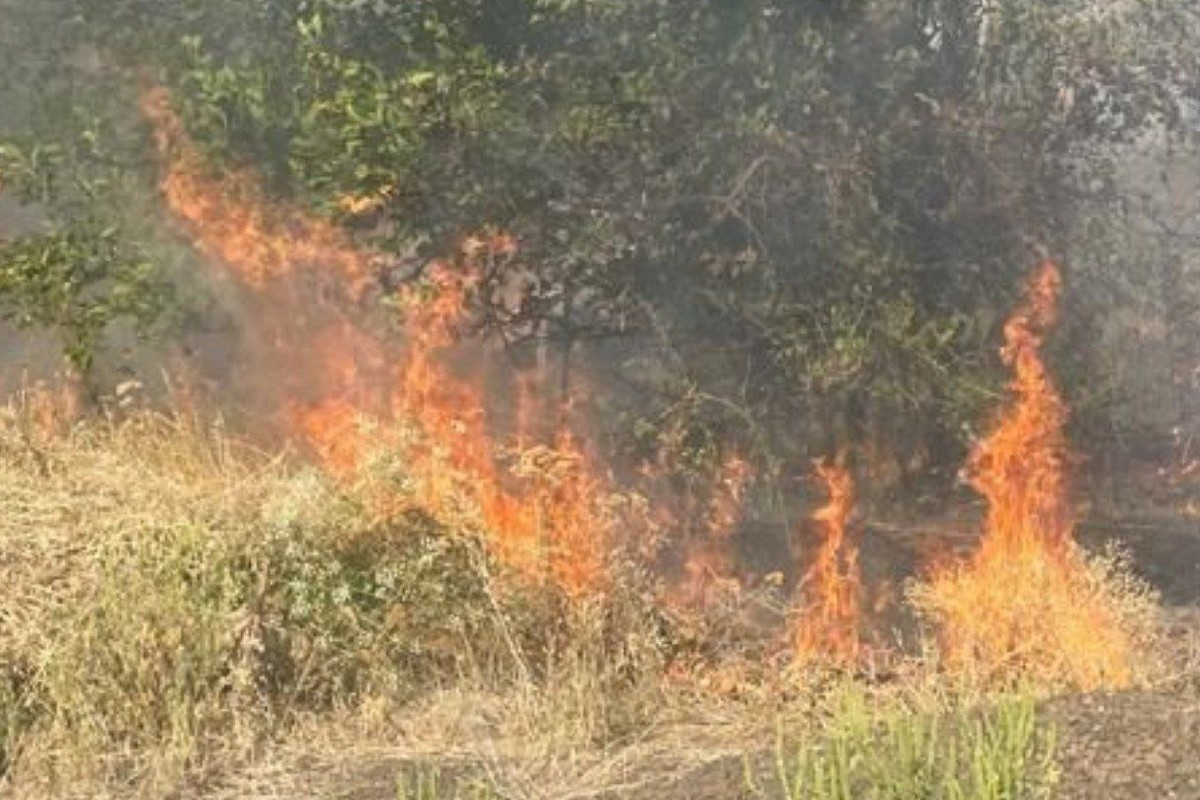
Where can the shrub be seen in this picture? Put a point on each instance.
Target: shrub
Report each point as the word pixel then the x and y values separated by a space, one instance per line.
pixel 999 753
pixel 167 597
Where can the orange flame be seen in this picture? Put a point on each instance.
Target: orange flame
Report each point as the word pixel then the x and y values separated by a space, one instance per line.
pixel 1025 602
pixel 335 430
pixel 546 512
pixel 1020 466
pixel 709 569
pixel 830 615
pixel 546 516
pixel 229 221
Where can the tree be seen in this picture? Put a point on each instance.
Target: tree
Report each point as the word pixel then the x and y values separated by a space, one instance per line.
pixel 63 150
pixel 770 226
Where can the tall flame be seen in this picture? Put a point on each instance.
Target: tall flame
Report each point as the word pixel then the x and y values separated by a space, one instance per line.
pixel 546 516
pixel 829 616
pixel 547 509
pixel 1025 602
pixel 1020 467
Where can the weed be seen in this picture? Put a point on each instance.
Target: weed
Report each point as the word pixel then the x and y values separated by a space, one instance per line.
pixel 999 753
pixel 428 783
pixel 166 599
pixel 174 602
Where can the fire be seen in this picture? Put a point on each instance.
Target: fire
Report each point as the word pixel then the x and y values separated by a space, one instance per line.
pixel 335 430
pixel 564 505
pixel 1020 467
pixel 546 512
pixel 709 568
pixel 1026 598
pixel 230 222
pixel 830 612
pixel 1026 603
pixel 546 515
pixel 307 354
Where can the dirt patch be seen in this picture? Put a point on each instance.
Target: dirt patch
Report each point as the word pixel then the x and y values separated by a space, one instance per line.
pixel 1135 745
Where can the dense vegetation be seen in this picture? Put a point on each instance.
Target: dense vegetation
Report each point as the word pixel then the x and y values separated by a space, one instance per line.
pixel 178 611
pixel 769 225
pixel 770 228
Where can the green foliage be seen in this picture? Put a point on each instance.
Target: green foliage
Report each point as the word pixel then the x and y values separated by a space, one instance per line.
pixel 428 784
pixel 999 753
pixel 31 174
pixel 747 215
pixel 78 283
pixel 69 155
pixel 787 208
pixel 317 114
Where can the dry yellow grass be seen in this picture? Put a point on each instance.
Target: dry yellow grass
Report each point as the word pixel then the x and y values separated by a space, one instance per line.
pixel 173 602
pixel 1080 623
pixel 183 615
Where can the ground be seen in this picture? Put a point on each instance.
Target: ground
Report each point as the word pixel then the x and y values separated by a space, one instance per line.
pixel 119 538
pixel 1134 745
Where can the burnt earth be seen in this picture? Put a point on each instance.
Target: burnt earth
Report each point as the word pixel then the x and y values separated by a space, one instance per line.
pixel 1134 745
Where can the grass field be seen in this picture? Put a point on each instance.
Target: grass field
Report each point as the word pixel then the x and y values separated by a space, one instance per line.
pixel 184 616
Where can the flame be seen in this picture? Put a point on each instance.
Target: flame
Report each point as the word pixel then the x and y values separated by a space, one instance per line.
pixel 336 430
pixel 709 568
pixel 546 515
pixel 1025 602
pixel 546 511
pixel 229 220
pixel 1020 467
pixel 566 506
pixel 1025 598
pixel 829 617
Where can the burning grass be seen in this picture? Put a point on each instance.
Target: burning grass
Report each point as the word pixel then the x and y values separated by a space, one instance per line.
pixel 181 610
pixel 1028 602
pixel 546 515
pixel 1024 602
pixel 173 600
pixel 1068 622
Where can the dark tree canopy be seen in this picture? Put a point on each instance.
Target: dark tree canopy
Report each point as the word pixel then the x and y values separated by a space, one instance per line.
pixel 774 225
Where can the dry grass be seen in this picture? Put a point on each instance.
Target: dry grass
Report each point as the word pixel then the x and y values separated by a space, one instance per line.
pixel 904 744
pixel 181 615
pixel 1075 622
pixel 174 603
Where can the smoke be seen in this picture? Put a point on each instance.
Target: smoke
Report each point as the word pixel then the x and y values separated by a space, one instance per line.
pixel 757 236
